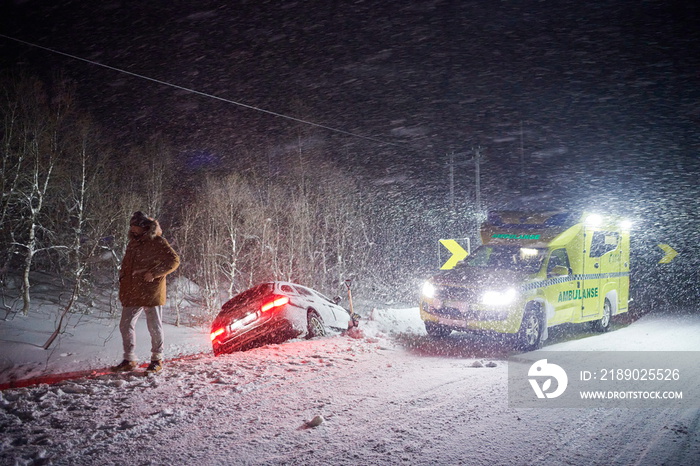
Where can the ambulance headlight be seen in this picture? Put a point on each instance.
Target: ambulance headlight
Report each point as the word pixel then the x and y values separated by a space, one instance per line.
pixel 428 290
pixel 499 298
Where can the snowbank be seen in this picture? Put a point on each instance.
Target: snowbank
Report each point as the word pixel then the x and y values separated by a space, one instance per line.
pixel 91 341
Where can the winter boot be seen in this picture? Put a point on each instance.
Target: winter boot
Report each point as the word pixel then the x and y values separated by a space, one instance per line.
pixel 155 366
pixel 125 366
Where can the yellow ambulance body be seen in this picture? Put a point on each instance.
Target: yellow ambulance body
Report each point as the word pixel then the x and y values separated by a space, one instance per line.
pixel 534 271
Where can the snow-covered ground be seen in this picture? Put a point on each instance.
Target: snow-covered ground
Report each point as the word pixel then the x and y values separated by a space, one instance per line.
pixel 386 394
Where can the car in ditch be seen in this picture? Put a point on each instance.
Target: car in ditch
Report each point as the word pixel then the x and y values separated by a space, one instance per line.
pixel 275 312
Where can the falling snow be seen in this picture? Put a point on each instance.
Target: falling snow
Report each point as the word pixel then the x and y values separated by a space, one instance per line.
pixel 575 104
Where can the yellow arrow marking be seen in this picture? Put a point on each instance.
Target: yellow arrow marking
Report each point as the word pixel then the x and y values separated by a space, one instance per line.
pixel 458 253
pixel 670 253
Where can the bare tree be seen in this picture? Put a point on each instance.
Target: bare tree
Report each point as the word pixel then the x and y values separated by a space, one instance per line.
pixel 234 210
pixel 141 185
pixel 185 235
pixel 90 216
pixel 13 161
pixel 41 145
pixel 220 229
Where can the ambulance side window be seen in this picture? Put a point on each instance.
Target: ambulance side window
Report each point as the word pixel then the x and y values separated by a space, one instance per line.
pixel 558 258
pixel 603 242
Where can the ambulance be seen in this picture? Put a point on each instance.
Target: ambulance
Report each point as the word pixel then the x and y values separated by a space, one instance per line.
pixel 533 270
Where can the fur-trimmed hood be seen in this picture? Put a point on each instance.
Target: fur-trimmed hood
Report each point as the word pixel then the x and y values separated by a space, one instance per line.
pixel 153 229
pixel 149 224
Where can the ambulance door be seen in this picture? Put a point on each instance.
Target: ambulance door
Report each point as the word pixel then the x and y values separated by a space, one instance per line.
pixel 597 274
pixel 611 264
pixel 561 292
pixel 624 273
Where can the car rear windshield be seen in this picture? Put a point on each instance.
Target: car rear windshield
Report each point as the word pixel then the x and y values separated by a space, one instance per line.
pixel 507 257
pixel 249 296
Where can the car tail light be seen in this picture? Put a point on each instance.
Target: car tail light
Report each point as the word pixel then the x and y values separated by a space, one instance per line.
pixel 276 301
pixel 216 333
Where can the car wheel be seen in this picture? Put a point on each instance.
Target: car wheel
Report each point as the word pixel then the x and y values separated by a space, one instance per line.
pixel 603 324
pixel 529 336
pixel 436 330
pixel 315 326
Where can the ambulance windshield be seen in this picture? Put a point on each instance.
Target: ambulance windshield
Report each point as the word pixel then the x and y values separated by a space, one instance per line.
pixel 506 257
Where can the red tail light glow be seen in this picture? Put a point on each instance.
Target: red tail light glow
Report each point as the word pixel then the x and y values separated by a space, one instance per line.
pixel 276 301
pixel 216 333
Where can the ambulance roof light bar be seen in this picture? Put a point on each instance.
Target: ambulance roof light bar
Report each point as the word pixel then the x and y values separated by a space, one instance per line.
pixel 594 220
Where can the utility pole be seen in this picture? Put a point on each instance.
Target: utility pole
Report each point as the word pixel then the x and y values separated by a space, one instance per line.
pixel 477 172
pixel 477 159
pixel 522 151
pixel 452 181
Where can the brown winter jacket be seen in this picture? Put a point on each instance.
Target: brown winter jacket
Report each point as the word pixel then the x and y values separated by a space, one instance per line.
pixel 149 252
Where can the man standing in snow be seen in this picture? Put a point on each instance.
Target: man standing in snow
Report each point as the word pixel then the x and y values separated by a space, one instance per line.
pixel 148 259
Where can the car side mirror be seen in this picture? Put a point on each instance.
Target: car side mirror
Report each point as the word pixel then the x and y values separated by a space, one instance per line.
pixel 337 299
pixel 559 271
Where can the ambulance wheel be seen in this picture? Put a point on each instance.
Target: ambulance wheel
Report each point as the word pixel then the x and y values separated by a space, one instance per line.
pixel 436 330
pixel 529 336
pixel 603 325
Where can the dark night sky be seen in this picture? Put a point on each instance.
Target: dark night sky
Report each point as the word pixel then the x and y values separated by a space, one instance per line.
pixel 608 92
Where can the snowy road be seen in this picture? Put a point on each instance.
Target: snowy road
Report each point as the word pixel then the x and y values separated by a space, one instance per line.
pixel 404 399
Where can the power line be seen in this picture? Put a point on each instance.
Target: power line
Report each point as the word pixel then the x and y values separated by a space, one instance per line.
pixel 211 96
